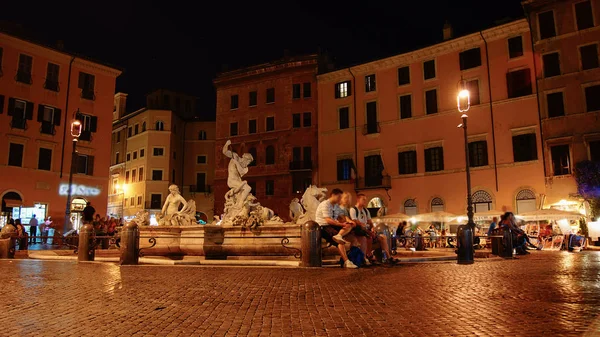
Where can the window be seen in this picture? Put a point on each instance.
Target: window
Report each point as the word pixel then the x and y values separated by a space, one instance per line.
pixel 515 47
pixel 403 75
pixel 49 117
pixel 270 155
pixel 306 90
pixel 546 23
pixel 271 95
pixel 592 98
pixel 158 151
pixel 117 158
pixel 85 165
pixel 370 83
pixel 252 126
pixel 270 124
pixel 584 15
pixel 252 98
pixel 141 174
pixel 160 126
pixel 478 155
pixel 155 201
pixel 551 64
pixel 233 129
pixel 296 91
pixel 269 187
pixel 234 102
pixel 410 207
pixel 133 175
pixel 132 201
pixel 561 160
pixel 135 155
pixel 431 101
pixel 405 106
pixel 52 71
pixel 201 182
pixel 372 124
pixel 252 185
pixel 136 129
pixel 139 200
pixel 306 119
pixel 555 104
pixel 595 150
pixel 125 200
pixel 470 58
pixel 344 117
pixel 86 84
pixel 407 162
pixel 307 155
pixel 118 137
pixel 473 87
pixel 142 153
pixel 202 135
pixel 24 71
pixel 144 127
pixel 526 201
pixel 342 89
pixel 589 56
pixel 437 205
pixel 344 169
pixel 373 170
pixel 21 111
pixel 127 177
pixel 201 159
pixel 157 175
pixel 434 159
pixel 129 131
pixel 429 69
pixel 518 83
pixel 252 151
pixel 296 120
pixel 482 201
pixel 524 147
pixel 128 156
pixel 15 154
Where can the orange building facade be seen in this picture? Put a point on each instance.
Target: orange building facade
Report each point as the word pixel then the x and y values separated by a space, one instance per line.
pixel 270 111
pixel 41 91
pixel 565 39
pixel 388 128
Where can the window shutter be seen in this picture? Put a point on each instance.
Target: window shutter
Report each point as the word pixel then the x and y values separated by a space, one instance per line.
pixel 57 113
pixel 336 90
pixel 81 80
pixel 400 162
pixel 349 88
pixel 40 116
pixel 441 149
pixel 90 165
pixel 29 111
pixel 509 84
pixel 340 169
pixel 93 124
pixel 11 106
pixel 1 100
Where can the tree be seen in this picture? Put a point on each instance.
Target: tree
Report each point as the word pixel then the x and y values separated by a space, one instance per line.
pixel 587 175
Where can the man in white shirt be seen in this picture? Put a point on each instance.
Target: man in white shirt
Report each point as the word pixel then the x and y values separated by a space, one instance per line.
pixel 33 225
pixel 330 226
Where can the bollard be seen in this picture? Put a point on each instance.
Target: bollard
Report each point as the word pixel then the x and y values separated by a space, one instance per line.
pixel 130 244
pixel 311 244
pixel 507 244
pixel 464 245
pixel 86 249
pixel 383 229
pixel 7 248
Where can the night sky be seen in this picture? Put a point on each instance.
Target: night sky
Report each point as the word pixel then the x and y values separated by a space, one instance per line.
pixel 179 46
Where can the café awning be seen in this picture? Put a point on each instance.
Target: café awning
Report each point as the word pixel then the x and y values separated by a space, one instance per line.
pixel 549 215
pixel 396 217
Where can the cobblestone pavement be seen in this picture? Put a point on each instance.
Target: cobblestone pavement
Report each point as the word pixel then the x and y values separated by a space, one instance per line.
pixel 543 294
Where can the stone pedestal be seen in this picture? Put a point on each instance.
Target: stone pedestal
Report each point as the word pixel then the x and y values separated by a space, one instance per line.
pixel 214 236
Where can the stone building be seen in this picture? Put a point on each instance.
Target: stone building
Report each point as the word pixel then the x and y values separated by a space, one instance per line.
pixel 42 89
pixel 270 111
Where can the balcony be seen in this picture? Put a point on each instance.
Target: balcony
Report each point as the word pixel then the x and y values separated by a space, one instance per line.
pixel 377 182
pixel 48 128
pixel 300 165
pixel 371 128
pixel 52 85
pixel 23 77
pixel 200 189
pixel 88 94
pixel 18 123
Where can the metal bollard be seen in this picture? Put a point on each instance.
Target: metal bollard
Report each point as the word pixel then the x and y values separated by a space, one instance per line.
pixel 7 248
pixel 311 245
pixel 86 250
pixel 507 243
pixel 464 245
pixel 130 244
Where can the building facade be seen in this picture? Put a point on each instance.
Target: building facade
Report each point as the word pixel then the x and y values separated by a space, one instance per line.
pixel 565 39
pixel 41 91
pixel 152 149
pixel 270 111
pixel 388 128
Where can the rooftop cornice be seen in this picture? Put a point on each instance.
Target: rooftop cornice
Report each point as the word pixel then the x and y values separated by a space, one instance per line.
pixel 265 69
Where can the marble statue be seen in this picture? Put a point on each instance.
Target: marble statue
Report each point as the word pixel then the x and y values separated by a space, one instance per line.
pixel 311 199
pixel 296 210
pixel 142 218
pixel 170 215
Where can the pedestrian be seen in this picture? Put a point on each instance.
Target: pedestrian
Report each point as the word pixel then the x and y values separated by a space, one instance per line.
pixel 33 225
pixel 492 226
pixel 46 229
pixel 88 213
pixel 22 234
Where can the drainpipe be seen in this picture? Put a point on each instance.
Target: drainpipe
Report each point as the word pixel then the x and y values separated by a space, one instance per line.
pixel 62 154
pixel 487 60
pixel 355 129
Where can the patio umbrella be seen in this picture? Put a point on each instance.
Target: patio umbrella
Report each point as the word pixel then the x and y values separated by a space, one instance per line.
pixel 397 217
pixel 439 216
pixel 549 214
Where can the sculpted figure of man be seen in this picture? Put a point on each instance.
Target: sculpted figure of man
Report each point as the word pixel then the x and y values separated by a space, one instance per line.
pixel 171 206
pixel 238 167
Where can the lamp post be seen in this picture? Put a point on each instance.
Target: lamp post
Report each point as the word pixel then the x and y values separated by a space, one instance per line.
pixel 75 133
pixel 465 232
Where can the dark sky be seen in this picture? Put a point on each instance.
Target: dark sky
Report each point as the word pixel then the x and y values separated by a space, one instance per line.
pixel 181 45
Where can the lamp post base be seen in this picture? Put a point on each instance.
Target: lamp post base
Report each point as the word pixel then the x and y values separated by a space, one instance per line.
pixel 464 250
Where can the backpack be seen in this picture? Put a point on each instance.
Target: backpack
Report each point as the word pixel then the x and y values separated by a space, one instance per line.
pixel 356 256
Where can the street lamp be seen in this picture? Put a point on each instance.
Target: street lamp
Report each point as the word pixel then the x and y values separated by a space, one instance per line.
pixel 75 133
pixel 465 232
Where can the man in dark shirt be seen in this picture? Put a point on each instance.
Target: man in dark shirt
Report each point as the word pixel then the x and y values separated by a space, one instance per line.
pixel 88 213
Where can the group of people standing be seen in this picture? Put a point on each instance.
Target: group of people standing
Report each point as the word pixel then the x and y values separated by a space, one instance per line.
pixel 342 222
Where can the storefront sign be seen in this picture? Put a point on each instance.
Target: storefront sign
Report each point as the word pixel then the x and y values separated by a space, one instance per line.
pixel 81 190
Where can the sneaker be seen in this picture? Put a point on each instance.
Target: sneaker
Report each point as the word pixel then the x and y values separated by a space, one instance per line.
pixel 348 264
pixel 367 262
pixel 339 239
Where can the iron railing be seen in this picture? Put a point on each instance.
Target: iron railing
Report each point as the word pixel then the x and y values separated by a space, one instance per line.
pixel 366 183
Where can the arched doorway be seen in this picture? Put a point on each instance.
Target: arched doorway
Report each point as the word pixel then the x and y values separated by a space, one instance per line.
pixel 77 206
pixel 525 201
pixel 374 205
pixel 10 201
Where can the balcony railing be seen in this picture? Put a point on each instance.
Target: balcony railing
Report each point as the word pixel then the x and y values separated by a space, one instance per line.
pixel 23 77
pixel 52 85
pixel 48 128
pixel 300 165
pixel 200 188
pixel 88 94
pixel 18 123
pixel 376 182
pixel 371 128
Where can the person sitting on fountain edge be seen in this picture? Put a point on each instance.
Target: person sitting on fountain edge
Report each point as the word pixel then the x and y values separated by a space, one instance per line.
pixel 331 227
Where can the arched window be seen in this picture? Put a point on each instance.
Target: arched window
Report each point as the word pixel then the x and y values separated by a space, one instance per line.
pixel 252 151
pixel 160 126
pixel 202 135
pixel 375 203
pixel 270 155
pixel 437 205
pixel 143 126
pixel 410 207
pixel 482 201
pixel 525 201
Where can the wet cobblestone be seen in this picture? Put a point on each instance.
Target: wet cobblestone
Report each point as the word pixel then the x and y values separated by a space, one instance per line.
pixel 543 294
